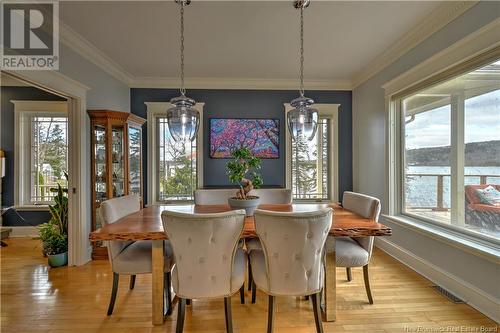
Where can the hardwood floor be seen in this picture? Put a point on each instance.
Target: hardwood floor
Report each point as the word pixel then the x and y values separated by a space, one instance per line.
pixel 35 298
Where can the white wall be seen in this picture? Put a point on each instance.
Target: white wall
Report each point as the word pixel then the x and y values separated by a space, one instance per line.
pixel 369 153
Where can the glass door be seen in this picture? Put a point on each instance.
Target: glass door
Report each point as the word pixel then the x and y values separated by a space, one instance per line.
pixel 100 163
pixel 134 142
pixel 117 160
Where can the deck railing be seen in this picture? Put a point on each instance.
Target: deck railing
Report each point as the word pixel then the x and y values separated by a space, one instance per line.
pixel 483 180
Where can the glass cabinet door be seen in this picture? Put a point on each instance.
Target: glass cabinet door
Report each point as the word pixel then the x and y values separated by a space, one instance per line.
pixel 100 163
pixel 117 160
pixel 134 142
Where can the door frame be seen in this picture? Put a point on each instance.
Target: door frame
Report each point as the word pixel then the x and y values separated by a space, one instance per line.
pixel 79 249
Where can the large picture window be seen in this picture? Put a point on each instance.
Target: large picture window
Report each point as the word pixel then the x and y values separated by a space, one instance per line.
pixel 41 151
pixel 173 171
pixel 450 140
pixel 312 166
pixel 176 166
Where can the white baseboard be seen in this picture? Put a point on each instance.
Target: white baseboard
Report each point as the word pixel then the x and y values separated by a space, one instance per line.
pixel 475 297
pixel 24 231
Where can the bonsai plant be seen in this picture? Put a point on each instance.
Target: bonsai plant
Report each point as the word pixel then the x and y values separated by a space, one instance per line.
pixel 243 170
pixel 54 234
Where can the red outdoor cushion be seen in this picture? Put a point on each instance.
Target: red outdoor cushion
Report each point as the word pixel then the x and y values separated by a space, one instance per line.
pixel 472 196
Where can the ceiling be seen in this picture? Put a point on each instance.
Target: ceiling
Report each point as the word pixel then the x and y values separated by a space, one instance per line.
pixel 244 39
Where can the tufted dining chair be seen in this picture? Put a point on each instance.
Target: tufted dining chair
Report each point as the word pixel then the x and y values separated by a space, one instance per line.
pixel 129 257
pixel 213 196
pixel 272 196
pixel 356 252
pixel 291 262
pixel 208 261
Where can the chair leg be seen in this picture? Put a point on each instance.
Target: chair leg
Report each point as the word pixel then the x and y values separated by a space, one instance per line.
pixel 242 294
pixel 367 284
pixel 250 276
pixel 349 274
pixel 254 292
pixel 181 311
pixel 132 281
pixel 270 315
pixel 167 294
pixel 188 301
pixel 316 300
pixel 228 315
pixel 114 291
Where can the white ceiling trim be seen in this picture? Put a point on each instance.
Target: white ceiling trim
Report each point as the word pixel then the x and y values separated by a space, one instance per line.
pixel 240 83
pixel 86 49
pixel 434 22
pixel 446 13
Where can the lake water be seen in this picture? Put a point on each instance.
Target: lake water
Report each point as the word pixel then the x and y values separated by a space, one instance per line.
pixel 421 191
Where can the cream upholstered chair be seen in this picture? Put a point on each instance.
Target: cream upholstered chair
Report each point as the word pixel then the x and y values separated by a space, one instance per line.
pixel 220 196
pixel 268 196
pixel 291 262
pixel 129 257
pixel 356 252
pixel 213 196
pixel 208 261
pixel 272 196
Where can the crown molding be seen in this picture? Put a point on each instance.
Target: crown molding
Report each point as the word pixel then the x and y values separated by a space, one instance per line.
pixel 239 83
pixel 86 49
pixel 443 15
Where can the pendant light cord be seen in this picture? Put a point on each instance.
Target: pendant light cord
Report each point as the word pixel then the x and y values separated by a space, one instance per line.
pixel 183 90
pixel 301 89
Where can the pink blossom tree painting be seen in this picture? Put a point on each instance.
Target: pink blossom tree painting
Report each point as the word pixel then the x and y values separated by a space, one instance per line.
pixel 261 136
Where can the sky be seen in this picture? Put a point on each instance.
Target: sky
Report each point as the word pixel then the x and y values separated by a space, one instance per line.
pixel 432 128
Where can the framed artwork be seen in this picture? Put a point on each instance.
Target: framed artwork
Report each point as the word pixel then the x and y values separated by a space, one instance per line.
pixel 261 136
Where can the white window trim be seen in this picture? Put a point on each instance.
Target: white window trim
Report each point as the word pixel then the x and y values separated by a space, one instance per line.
pixel 330 111
pixel 155 109
pixel 23 111
pixel 480 42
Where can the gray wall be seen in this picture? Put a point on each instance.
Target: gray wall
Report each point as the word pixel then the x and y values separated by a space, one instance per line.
pixel 105 92
pixel 254 104
pixel 369 145
pixel 7 138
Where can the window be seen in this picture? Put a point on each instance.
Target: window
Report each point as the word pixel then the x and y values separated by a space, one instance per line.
pixel 172 167
pixel 310 161
pixel 312 165
pixel 41 151
pixel 176 165
pixel 450 163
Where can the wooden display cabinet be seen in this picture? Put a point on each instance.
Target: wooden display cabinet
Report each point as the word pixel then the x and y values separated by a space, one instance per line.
pixel 116 159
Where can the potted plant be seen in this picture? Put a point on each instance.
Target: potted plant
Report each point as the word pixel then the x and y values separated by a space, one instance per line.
pixel 243 170
pixel 54 234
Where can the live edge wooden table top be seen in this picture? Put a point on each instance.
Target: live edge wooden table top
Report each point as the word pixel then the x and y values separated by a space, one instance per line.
pixel 146 224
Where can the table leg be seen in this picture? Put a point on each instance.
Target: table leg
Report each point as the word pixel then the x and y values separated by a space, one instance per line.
pixel 157 294
pixel 330 289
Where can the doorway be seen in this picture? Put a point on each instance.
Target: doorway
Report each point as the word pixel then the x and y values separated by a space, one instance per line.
pixel 74 95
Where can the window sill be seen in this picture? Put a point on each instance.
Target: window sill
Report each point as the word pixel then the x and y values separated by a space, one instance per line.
pixel 32 208
pixel 474 245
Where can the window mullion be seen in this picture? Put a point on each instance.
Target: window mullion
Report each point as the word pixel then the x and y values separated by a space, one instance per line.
pixel 457 159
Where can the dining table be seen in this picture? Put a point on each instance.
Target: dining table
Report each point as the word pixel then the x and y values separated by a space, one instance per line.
pixel 146 224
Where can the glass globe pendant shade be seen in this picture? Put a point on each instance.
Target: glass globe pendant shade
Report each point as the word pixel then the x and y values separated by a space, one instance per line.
pixel 303 119
pixel 183 120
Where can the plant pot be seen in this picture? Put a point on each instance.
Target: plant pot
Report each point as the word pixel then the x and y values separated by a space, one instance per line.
pixel 57 260
pixel 249 205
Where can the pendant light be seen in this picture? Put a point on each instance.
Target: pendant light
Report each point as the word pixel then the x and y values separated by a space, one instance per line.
pixel 302 119
pixel 183 119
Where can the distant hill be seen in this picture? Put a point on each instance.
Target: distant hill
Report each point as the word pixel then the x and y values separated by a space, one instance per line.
pixel 485 153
